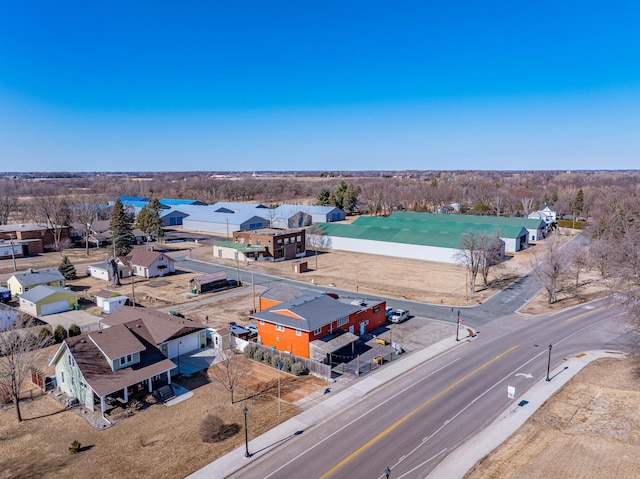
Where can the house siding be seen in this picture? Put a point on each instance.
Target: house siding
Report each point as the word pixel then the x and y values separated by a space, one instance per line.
pixel 73 380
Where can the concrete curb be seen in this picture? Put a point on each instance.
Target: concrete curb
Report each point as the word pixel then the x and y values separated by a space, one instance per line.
pixel 235 460
pixel 460 461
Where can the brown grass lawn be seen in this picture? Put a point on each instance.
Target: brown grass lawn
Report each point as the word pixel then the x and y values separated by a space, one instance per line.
pixel 159 442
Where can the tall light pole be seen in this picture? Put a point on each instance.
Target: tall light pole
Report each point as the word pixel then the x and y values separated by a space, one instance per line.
pixel 549 363
pixel 246 433
pixel 458 327
pixel 13 254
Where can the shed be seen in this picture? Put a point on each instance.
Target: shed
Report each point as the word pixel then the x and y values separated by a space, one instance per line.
pixel 300 267
pixel 220 338
pixel 208 282
pixel 43 300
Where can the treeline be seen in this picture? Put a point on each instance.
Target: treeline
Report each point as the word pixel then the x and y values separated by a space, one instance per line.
pixel 474 192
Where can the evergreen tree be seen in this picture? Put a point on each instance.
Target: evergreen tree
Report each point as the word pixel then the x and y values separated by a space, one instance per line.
pixel 60 334
pixel 121 223
pixel 149 220
pixel 352 198
pixel 74 330
pixel 324 197
pixel 578 203
pixel 339 196
pixel 67 269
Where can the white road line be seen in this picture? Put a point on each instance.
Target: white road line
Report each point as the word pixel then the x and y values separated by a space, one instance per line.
pixel 360 417
pixel 421 464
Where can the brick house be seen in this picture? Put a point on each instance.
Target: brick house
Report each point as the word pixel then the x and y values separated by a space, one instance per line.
pixel 34 236
pixel 315 325
pixel 279 244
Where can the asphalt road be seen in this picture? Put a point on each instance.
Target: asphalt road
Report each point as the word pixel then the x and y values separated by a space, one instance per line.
pixel 411 424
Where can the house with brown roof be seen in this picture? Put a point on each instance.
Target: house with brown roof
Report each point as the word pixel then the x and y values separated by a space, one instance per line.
pixel 149 264
pixel 132 354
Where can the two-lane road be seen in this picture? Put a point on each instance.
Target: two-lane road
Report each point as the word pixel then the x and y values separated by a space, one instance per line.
pixel 413 422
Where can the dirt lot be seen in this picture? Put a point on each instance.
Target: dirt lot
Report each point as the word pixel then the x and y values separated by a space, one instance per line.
pixel 588 430
pixel 159 442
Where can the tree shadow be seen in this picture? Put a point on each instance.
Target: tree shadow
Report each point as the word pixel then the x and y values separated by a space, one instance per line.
pixel 45 415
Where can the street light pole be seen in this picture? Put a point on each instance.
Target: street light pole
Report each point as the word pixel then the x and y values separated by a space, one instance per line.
pixel 246 433
pixel 13 254
pixel 549 363
pixel 458 327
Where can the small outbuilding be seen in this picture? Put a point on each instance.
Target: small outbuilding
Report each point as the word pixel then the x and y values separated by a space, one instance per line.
pixel 208 282
pixel 43 300
pixel 110 301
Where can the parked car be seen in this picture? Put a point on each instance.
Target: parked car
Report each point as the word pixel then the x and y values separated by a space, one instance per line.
pixel 253 328
pixel 388 313
pixel 240 332
pixel 399 316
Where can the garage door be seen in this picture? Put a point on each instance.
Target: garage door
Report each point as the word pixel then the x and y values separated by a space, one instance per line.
pixel 57 307
pixel 184 345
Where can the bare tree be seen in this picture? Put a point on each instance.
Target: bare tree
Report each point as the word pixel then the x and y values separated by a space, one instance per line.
pixel 86 213
pixel 315 239
pixel 549 268
pixel 469 254
pixel 498 205
pixel 491 254
pixel 19 352
pixel 527 205
pixel 230 371
pixel 54 212
pixel 8 204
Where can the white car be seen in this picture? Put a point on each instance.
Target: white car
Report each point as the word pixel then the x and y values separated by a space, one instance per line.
pixel 399 316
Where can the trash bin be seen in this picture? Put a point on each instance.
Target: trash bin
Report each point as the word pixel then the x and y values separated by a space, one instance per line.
pixel 76 307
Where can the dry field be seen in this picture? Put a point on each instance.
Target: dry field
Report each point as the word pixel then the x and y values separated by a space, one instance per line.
pixel 158 442
pixel 590 429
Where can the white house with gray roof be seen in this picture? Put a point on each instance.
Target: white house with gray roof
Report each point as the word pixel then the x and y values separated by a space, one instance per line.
pixel 22 282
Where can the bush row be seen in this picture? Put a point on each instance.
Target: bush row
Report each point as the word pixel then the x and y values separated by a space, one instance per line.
pixel 289 365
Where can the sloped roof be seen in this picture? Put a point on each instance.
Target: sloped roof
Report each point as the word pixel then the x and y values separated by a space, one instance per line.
pixel 211 277
pixel 107 293
pixel 158 327
pixel 288 210
pixel 284 292
pixel 97 372
pixel 416 231
pixel 145 257
pixel 180 201
pixel 307 312
pixel 41 292
pixel 468 219
pixel 237 218
pixel 39 276
pixel 116 342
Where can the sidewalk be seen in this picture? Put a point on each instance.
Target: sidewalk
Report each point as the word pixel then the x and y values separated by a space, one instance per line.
pixel 462 459
pixel 324 406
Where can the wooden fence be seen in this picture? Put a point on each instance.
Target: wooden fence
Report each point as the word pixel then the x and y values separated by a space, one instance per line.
pixel 315 368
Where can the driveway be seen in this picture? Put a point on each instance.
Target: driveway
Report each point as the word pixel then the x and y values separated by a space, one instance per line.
pixel 196 361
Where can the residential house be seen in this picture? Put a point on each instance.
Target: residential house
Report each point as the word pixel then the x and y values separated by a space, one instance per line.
pixel 43 300
pixel 238 251
pixel 150 264
pixel 279 244
pixel 547 214
pixel 131 355
pixel 22 282
pixel 316 325
pixel 34 237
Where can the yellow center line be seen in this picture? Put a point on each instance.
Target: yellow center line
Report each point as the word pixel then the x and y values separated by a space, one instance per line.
pixel 410 414
pixel 586 313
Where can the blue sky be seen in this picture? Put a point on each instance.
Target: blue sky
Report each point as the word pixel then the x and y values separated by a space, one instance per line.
pixel 318 85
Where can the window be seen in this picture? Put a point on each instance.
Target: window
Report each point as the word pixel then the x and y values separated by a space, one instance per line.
pixel 299 238
pixel 279 327
pixel 298 332
pixel 286 241
pixel 71 362
pixel 279 240
pixel 129 359
pixel 317 331
pixel 376 309
pixel 62 376
pixel 258 242
pixel 73 383
pixel 343 321
pixel 122 360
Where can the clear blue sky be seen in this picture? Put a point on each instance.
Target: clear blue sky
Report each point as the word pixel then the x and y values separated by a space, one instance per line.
pixel 318 85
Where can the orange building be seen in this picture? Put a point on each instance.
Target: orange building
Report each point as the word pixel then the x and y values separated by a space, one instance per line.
pixel 314 325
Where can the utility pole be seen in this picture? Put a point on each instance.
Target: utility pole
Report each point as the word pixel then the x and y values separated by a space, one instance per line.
pixel 13 254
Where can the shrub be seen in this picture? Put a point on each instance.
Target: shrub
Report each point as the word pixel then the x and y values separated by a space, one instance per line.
pixel 286 365
pixel 275 361
pixel 75 447
pixel 60 334
pixel 74 330
pixel 211 428
pixel 297 369
pixel 250 351
pixel 258 355
pixel 266 357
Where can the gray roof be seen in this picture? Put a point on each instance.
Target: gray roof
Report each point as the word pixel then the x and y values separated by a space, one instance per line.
pixel 39 276
pixel 312 311
pixel 41 292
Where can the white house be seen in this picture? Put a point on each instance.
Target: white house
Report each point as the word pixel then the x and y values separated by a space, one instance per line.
pixel 150 264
